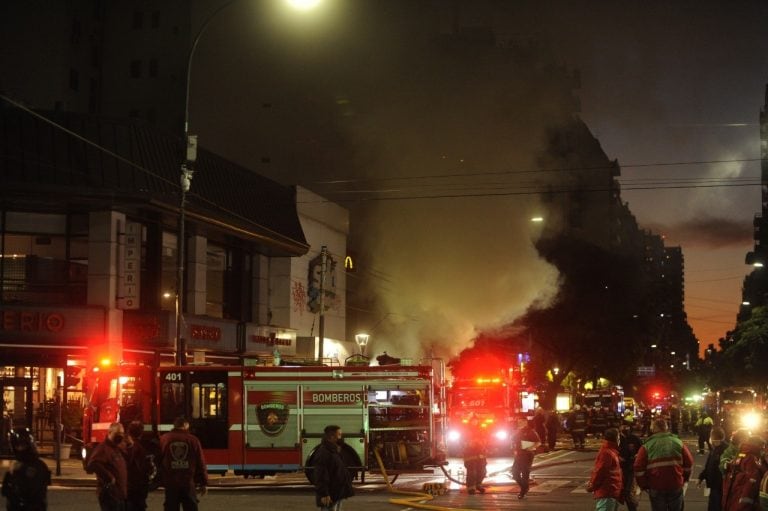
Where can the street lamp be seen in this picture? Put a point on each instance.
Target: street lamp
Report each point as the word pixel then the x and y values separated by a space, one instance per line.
pixel 362 341
pixel 187 173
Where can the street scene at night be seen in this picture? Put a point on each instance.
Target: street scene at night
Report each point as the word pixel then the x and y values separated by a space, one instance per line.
pixel 418 254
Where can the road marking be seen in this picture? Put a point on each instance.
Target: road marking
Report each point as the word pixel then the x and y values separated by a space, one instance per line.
pixel 581 489
pixel 549 486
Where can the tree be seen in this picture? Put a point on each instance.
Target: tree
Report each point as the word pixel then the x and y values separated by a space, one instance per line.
pixel 745 355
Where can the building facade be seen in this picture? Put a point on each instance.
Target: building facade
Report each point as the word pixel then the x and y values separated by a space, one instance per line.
pixel 89 218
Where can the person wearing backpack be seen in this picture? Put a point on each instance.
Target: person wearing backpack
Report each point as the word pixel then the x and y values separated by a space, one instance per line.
pixel 710 474
pixel 741 486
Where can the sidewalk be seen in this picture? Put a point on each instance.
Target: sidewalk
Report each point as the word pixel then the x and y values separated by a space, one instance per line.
pixel 72 474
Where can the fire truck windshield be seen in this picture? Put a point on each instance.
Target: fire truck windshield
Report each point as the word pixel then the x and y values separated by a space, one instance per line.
pixel 737 397
pixel 479 397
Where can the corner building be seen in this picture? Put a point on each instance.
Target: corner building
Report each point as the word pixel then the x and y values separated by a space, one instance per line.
pixel 88 266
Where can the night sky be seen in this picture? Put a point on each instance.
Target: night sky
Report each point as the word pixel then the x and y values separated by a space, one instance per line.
pixel 338 100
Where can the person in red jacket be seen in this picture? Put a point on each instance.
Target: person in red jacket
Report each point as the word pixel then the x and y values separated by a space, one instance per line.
pixel 741 486
pixel 662 466
pixel 183 467
pixel 607 479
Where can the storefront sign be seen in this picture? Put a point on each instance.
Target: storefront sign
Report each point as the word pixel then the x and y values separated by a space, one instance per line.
pixel 129 289
pixel 203 333
pixel 147 329
pixel 265 339
pixel 43 325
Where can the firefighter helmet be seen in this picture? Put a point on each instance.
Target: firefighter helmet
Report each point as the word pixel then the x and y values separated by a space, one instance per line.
pixel 21 440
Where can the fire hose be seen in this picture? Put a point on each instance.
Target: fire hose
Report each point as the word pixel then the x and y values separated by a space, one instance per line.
pixel 415 499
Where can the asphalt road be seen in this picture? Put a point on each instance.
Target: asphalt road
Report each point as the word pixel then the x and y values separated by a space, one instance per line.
pixel 559 483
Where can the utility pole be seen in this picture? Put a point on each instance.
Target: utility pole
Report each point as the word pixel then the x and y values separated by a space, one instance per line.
pixel 323 259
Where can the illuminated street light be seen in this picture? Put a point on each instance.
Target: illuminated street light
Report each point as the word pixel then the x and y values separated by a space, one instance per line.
pixel 303 5
pixel 746 303
pixel 362 341
pixel 188 171
pixel 537 219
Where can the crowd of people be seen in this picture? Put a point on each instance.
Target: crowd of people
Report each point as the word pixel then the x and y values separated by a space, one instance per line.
pixel 125 468
pixel 643 454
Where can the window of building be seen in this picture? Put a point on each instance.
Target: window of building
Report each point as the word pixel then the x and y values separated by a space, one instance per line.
pixel 133 113
pixel 153 68
pixel 138 20
pixel 44 260
pixel 155 19
pixel 135 69
pixel 216 266
pixel 74 79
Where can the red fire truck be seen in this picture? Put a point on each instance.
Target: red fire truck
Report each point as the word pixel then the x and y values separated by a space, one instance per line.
pixel 490 402
pixel 257 420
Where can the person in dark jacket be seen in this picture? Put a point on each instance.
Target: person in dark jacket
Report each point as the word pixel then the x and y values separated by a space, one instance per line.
pixel 525 441
pixel 25 485
pixel 577 424
pixel 539 423
pixel 107 461
pixel 141 468
pixel 183 467
pixel 553 427
pixel 606 479
pixel 629 445
pixel 333 482
pixel 710 474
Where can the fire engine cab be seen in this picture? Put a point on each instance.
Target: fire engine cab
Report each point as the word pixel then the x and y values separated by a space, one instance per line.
pixel 260 420
pixel 484 401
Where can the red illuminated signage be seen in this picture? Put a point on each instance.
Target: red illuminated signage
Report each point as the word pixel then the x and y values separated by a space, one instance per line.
pixel 205 333
pixel 29 321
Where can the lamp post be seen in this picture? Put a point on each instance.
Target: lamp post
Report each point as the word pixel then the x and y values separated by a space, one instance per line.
pixel 362 341
pixel 187 173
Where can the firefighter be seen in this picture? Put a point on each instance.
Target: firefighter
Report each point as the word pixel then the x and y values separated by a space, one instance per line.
pixel 475 453
pixel 577 423
pixel 25 485
pixel 704 428
pixel 183 467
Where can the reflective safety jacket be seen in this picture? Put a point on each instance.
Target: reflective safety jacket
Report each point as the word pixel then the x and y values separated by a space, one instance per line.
pixel 663 463
pixel 741 487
